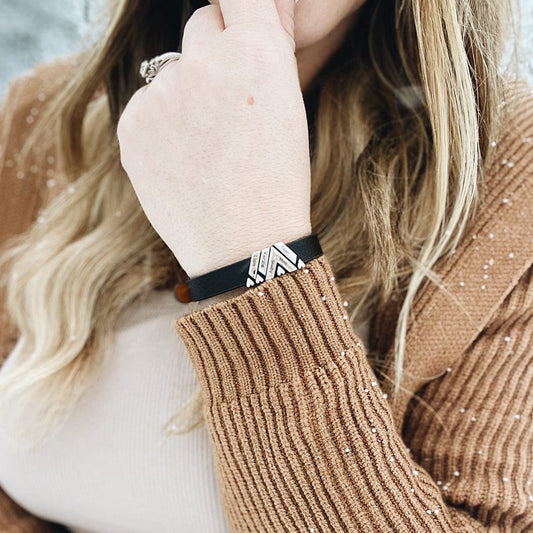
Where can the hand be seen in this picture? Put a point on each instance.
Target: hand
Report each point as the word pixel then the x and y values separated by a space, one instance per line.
pixel 216 146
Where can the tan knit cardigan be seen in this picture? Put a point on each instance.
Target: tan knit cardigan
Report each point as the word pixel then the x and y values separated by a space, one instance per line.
pixel 303 430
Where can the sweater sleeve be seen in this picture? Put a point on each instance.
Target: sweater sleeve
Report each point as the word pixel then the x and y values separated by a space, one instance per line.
pixel 303 436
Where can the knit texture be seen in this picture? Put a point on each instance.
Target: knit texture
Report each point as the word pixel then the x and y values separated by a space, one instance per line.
pixel 305 437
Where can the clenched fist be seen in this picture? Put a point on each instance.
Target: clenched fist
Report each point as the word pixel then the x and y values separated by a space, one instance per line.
pixel 216 146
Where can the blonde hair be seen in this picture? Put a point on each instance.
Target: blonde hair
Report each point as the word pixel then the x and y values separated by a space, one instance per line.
pixel 402 131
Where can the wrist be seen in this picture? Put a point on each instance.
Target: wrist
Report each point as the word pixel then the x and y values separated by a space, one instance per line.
pixel 244 250
pixel 261 265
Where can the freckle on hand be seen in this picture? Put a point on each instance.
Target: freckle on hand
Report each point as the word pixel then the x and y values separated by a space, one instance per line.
pixel 251 100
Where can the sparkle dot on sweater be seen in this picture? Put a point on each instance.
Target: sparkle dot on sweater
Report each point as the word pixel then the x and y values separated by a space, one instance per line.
pixel 511 255
pixel 526 139
pixel 40 219
pixel 415 472
pixel 34 111
pixel 41 97
pixel 365 390
pixel 461 284
pixel 29 119
pixel 50 183
pixel 456 473
pixel 391 459
pixel 439 482
pixel 528 482
pixel 385 395
pixel 479 452
pixel 510 164
pixel 449 369
pixel 473 419
pixel 506 479
pixel 493 144
pixel 20 174
pixel 374 430
pixel 474 236
pixel 260 293
pixel 483 287
pixel 412 490
pixel 306 270
pixel 346 450
pixel 531 498
pixel 436 511
pixel 429 511
pixel 504 161
pixel 517 416
pixel 343 353
pixel 332 278
pixel 462 410
pixel 311 530
pixel 485 267
pixel 345 317
pixel 507 339
pixel 505 200
pixel 71 189
pixel 491 235
pixel 9 163
pixel 323 298
pixel 485 276
pixel 34 169
pixel 374 383
pixel 345 303
pixel 358 344
pixel 50 159
pixel 491 261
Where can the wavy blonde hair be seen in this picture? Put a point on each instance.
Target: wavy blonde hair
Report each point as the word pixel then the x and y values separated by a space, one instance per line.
pixel 402 131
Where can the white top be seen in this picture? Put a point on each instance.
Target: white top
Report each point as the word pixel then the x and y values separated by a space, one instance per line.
pixel 110 468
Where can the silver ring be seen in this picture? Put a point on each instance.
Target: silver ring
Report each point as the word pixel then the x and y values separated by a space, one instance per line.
pixel 151 67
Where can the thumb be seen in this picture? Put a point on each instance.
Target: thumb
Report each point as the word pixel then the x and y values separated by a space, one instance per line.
pixel 286 11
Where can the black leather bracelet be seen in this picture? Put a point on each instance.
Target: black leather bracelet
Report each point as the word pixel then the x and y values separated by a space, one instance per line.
pixel 268 263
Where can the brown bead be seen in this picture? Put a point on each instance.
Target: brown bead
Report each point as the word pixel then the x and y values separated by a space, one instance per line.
pixel 181 292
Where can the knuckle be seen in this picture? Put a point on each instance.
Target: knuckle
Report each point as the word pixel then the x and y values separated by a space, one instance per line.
pixel 198 17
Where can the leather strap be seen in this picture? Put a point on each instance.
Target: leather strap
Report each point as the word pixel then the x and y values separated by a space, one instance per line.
pixel 268 263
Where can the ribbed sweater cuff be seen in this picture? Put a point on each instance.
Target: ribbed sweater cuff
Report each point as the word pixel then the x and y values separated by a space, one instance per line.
pixel 261 338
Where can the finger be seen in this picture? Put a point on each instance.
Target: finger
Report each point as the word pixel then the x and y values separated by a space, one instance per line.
pixel 259 11
pixel 201 25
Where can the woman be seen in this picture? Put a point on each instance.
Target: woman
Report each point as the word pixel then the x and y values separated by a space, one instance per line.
pixel 383 385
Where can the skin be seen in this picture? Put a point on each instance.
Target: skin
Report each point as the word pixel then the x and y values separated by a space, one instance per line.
pixel 319 29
